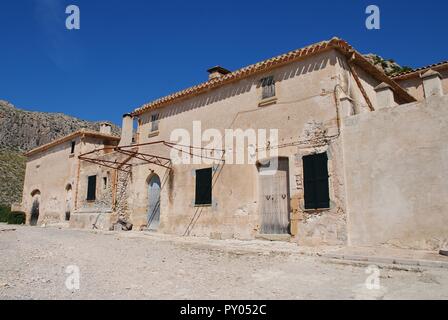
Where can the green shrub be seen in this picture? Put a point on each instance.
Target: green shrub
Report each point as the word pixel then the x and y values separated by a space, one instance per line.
pixel 5 211
pixel 17 217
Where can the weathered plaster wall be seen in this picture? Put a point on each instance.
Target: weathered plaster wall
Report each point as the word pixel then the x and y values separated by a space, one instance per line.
pixel 415 85
pixel 50 172
pixel 396 161
pixel 304 114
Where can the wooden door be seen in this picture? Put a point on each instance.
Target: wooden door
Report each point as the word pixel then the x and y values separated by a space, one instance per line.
pixel 274 198
pixel 154 203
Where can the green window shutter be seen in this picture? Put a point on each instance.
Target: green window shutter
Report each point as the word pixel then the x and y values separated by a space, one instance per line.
pixel 203 194
pixel 315 177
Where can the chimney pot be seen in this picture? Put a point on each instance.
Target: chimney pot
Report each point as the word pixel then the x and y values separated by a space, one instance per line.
pixel 432 83
pixel 217 72
pixel 105 128
pixel 384 96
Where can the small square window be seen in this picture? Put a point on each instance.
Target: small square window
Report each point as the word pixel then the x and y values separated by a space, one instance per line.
pixel 154 122
pixel 268 87
pixel 203 187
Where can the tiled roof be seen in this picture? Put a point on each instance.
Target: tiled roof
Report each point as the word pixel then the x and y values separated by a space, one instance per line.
pixel 71 136
pixel 418 71
pixel 334 43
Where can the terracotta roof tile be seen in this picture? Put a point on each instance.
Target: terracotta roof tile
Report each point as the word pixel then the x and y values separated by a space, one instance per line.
pixel 418 71
pixel 294 55
pixel 70 136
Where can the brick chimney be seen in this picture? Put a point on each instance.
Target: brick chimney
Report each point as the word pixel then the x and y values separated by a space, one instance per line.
pixel 217 72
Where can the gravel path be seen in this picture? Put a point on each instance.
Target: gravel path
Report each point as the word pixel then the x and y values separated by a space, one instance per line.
pixel 34 261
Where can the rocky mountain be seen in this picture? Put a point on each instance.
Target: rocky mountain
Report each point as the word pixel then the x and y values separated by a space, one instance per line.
pixel 388 66
pixel 21 131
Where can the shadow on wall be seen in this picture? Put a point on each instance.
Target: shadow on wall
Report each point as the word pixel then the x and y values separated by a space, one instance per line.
pixel 34 218
pixel 240 87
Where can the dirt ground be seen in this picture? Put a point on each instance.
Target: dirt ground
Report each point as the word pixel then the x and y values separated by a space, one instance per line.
pixel 37 263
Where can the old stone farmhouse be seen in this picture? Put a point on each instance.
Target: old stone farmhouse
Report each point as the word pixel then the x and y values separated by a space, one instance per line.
pixel 360 158
pixel 52 175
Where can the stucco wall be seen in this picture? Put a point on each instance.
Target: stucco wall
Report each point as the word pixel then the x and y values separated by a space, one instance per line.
pixel 414 85
pixel 50 172
pixel 304 114
pixel 396 162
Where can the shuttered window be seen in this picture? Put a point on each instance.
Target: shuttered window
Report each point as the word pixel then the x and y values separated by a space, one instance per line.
pixel 315 177
pixel 203 187
pixel 268 87
pixel 154 122
pixel 91 188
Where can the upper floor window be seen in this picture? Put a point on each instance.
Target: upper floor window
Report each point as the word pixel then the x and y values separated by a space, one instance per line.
pixel 268 87
pixel 154 122
pixel 72 147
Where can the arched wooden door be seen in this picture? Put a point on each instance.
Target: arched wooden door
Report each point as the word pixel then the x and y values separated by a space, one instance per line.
pixel 68 202
pixel 154 202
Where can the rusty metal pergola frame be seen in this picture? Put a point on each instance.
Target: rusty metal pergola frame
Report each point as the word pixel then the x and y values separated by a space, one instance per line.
pixel 132 151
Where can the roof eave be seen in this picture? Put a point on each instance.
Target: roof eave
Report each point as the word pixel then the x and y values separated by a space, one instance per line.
pixel 68 138
pixel 266 65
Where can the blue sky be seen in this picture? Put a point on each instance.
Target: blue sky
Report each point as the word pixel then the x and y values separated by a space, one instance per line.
pixel 130 52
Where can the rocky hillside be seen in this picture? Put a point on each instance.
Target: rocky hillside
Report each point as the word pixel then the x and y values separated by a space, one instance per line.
pixel 21 131
pixel 388 66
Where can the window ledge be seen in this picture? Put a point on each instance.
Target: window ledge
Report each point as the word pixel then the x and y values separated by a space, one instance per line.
pixel 153 134
pixel 316 210
pixel 267 101
pixel 202 205
pixel 72 155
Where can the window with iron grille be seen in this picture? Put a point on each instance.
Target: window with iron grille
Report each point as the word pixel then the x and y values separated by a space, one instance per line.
pixel 154 122
pixel 203 187
pixel 268 87
pixel 315 178
pixel 91 188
